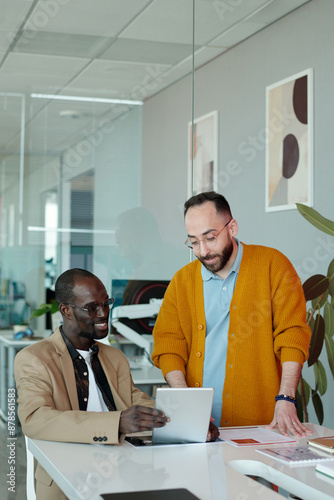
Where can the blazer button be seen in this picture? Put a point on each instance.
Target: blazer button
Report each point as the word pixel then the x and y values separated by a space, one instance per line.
pixel 94 438
pixel 197 384
pixel 104 438
pixel 99 439
pixel 200 327
pixel 198 354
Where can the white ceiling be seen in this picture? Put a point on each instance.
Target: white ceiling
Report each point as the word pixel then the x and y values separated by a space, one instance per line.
pixel 124 49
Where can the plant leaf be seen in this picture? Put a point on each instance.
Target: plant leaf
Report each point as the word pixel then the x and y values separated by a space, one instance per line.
pixel 43 309
pixel 329 342
pixel 300 411
pixel 317 339
pixel 319 410
pixel 315 286
pixel 329 319
pixel 320 377
pixel 330 274
pixel 315 302
pixel 54 307
pixel 317 220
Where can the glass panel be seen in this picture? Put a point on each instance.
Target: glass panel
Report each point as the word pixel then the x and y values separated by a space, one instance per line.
pixel 71 178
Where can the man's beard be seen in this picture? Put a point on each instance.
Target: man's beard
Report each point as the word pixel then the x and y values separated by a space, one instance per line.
pixel 222 260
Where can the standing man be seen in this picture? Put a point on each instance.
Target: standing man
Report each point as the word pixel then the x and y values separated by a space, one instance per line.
pixel 74 389
pixel 234 319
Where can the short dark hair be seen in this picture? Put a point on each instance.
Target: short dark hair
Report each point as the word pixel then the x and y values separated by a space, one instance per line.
pixel 65 284
pixel 217 199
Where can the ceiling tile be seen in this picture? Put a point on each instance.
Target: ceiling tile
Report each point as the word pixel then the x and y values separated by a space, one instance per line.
pixel 87 17
pixel 162 21
pixel 221 16
pixel 173 21
pixel 27 73
pixel 147 52
pixel 276 10
pixel 13 13
pixel 6 38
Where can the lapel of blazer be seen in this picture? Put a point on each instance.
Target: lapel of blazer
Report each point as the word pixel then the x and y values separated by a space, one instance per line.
pixel 112 377
pixel 66 366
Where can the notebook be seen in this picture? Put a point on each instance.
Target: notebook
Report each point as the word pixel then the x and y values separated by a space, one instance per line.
pixel 189 410
pixel 324 443
pixel 175 494
pixel 295 455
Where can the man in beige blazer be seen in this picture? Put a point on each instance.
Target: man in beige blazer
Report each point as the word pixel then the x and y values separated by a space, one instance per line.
pixel 57 400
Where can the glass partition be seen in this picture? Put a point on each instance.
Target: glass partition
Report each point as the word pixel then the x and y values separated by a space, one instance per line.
pixel 71 178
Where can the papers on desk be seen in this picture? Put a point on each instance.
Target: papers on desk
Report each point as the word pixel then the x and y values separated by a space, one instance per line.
pixel 252 436
pixel 295 455
pixel 326 468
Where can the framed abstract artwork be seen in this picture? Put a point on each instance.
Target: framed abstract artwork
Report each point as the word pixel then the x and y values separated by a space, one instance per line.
pixel 203 154
pixel 289 153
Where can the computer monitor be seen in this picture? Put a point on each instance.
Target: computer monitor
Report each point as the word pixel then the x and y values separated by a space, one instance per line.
pixel 137 303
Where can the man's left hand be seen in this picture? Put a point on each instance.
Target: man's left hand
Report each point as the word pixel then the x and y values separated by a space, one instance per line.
pixel 213 432
pixel 285 417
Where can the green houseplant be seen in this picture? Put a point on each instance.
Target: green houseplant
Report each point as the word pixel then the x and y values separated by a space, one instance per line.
pixel 44 309
pixel 319 296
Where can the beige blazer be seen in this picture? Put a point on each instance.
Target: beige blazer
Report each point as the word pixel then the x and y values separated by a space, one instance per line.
pixel 48 406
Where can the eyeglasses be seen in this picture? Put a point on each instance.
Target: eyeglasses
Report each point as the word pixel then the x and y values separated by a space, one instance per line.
pixel 94 307
pixel 210 240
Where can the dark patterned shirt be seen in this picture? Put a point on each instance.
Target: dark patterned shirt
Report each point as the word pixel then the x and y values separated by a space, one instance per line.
pixel 81 375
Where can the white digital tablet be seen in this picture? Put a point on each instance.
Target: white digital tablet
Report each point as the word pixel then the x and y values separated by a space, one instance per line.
pixel 189 410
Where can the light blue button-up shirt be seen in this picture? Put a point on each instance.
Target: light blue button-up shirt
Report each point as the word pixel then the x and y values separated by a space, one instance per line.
pixel 217 299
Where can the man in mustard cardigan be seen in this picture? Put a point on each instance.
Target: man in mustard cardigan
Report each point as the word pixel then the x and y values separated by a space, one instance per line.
pixel 234 319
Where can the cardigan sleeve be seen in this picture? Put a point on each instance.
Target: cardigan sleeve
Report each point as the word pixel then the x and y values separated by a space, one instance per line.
pixel 170 350
pixel 290 331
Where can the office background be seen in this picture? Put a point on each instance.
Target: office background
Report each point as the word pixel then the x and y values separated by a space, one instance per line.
pixel 101 185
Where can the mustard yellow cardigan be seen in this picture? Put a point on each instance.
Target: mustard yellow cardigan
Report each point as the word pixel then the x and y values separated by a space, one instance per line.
pixel 267 327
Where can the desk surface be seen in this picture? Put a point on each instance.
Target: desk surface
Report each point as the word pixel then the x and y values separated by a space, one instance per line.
pixel 210 471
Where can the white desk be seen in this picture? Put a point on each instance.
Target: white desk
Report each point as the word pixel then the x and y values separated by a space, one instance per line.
pixel 210 471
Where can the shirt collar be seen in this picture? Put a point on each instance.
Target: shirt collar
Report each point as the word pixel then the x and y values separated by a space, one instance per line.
pixel 71 349
pixel 208 275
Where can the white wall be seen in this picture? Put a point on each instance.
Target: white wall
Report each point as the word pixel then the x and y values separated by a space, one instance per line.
pixel 235 85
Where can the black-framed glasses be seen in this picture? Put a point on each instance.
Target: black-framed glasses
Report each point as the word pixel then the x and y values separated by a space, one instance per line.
pixel 209 240
pixel 94 307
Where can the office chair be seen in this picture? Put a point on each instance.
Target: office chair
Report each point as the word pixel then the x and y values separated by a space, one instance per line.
pixel 30 475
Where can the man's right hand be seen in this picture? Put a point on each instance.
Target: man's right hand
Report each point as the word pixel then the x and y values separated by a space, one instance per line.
pixel 141 418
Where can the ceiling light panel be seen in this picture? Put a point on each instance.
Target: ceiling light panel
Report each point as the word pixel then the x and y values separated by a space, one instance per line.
pixel 124 79
pixel 60 44
pixel 147 52
pixel 81 17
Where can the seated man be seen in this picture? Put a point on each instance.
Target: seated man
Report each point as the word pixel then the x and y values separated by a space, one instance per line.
pixel 74 389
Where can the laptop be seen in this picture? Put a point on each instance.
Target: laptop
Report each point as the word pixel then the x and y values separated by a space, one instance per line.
pixel 189 410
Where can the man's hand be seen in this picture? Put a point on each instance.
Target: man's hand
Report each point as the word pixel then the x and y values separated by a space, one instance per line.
pixel 213 432
pixel 285 417
pixel 141 418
